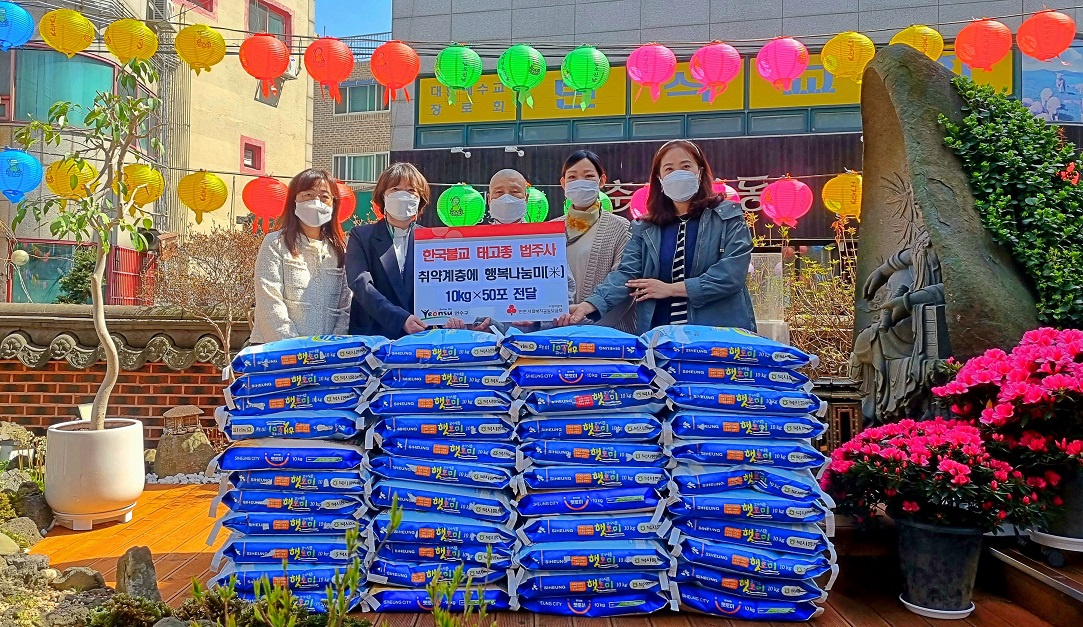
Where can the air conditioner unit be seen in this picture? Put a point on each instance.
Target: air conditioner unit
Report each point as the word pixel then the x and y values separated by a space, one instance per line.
pixel 294 69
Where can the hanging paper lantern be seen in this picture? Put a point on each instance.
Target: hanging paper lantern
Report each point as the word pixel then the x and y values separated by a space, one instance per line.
pixel 202 192
pixel 983 43
pixel 265 198
pixel 70 179
pixel 719 187
pixel 200 46
pixel 143 184
pixel 20 173
pixel 1046 34
pixel 785 201
pixel 458 68
pixel 130 39
pixel 845 55
pixel 537 205
pixel 781 61
pixel 584 70
pixel 347 201
pixel 603 199
pixel 460 205
pixel 637 205
pixel 924 39
pixel 329 62
pixel 842 195
pixel 521 68
pixel 651 66
pixel 67 31
pixel 394 65
pixel 265 57
pixel 16 26
pixel 714 66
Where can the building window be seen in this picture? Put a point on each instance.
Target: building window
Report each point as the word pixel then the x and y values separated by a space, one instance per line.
pixel 491 136
pixel 359 168
pixel 439 137
pixel 658 129
pixel 265 16
pixel 253 156
pixel 44 77
pixel 361 99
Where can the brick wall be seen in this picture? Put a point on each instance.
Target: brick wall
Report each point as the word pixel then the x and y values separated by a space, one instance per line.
pixel 350 133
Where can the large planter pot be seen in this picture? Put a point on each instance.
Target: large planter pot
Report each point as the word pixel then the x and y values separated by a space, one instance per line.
pixel 1068 522
pixel 939 566
pixel 94 476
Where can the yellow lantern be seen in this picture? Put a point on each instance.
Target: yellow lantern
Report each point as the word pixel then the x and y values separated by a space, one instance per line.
pixel 68 179
pixel 67 31
pixel 842 195
pixel 143 184
pixel 130 39
pixel 924 39
pixel 202 192
pixel 200 46
pixel 847 54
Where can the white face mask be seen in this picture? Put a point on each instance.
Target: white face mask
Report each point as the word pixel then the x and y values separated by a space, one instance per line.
pixel 401 205
pixel 507 209
pixel 583 192
pixel 314 213
pixel 680 185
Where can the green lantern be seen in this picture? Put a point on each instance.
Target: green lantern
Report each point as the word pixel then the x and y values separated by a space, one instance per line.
pixel 458 68
pixel 537 205
pixel 521 68
pixel 607 203
pixel 460 205
pixel 584 70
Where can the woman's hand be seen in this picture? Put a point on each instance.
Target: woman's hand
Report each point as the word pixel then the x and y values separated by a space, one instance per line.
pixel 579 312
pixel 454 323
pixel 413 325
pixel 563 321
pixel 643 289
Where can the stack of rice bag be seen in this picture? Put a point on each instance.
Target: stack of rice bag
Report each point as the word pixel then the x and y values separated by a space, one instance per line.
pixel 751 527
pixel 593 469
pixel 441 446
pixel 294 483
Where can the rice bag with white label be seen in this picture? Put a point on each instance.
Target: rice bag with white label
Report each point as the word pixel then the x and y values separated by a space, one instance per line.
pixel 293 502
pixel 489 505
pixel 696 479
pixel 576 476
pixel 632 604
pixel 594 556
pixel 699 599
pixel 312 600
pixel 342 482
pixel 283 523
pixel 544 453
pixel 297 549
pixel 419 575
pixel 271 454
pixel 585 527
pixel 751 505
pixel 315 399
pixel 302 424
pixel 443 378
pixel 305 353
pixel 296 578
pixel 488 453
pixel 611 501
pixel 443 529
pixel 477 554
pixel 808 539
pixel 568 373
pixel 416 600
pixel 544 584
pixel 759 562
pixel 579 341
pixel 693 425
pixel 441 347
pixel 472 427
pixel 467 475
pixel 396 402
pixel 635 427
pixel 786 454
pixel 579 401
pixel 723 345
pixel 279 382
pixel 732 398
pixel 746 586
pixel 733 374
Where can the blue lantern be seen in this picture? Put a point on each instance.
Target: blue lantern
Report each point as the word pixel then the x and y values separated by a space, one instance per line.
pixel 20 172
pixel 16 26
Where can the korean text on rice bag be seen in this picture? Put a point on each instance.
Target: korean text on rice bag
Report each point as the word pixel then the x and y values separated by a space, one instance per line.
pixel 477 554
pixel 746 586
pixel 279 382
pixel 733 374
pixel 693 425
pixel 544 584
pixel 545 453
pixel 305 353
pixel 633 604
pixel 615 500
pixel 461 377
pixel 419 575
pixel 342 482
pixel 312 600
pixel 271 454
pixel 586 527
pixel 786 454
pixel 732 398
pixel 580 341
pixel 414 600
pixel 726 345
pixel 298 578
pixel 314 399
pixel 758 562
pixel 488 453
pixel 579 401
pixel 441 347
pixel 563 373
pixel 297 549
pixel 583 476
pixel 595 556
pixel 808 539
pixel 635 427
pixel 442 472
pixel 302 424
pixel 284 523
pixel 395 402
pixel 752 505
pixel 488 505
pixel 696 479
pixel 717 603
pixel 443 529
pixel 471 427
pixel 293 502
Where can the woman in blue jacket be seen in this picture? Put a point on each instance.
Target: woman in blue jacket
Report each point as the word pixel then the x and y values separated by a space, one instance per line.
pixel 687 262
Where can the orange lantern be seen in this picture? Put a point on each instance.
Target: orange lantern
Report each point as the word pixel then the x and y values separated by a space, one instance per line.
pixel 265 198
pixel 983 43
pixel 265 57
pixel 329 62
pixel 1046 34
pixel 347 201
pixel 394 65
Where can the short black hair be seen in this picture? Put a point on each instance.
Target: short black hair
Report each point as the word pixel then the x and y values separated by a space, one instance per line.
pixel 578 156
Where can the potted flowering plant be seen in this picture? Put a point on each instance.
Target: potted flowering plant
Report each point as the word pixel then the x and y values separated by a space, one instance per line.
pixel 944 490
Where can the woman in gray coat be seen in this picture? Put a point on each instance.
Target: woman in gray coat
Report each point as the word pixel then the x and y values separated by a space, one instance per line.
pixel 687 262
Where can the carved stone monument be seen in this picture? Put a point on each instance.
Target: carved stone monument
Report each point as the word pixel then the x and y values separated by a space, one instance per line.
pixel 932 282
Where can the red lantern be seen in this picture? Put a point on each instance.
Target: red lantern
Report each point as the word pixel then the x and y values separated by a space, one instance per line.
pixel 982 43
pixel 347 201
pixel 265 57
pixel 786 200
pixel 1046 34
pixel 329 62
pixel 265 198
pixel 394 65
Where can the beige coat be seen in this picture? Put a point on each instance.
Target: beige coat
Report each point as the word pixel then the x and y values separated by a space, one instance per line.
pixel 607 239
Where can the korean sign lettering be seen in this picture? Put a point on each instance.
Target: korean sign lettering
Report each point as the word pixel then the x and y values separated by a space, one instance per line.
pixel 681 95
pixel 491 102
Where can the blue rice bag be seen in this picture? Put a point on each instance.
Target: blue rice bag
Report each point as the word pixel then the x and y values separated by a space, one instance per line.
pixel 419 575
pixel 545 453
pixel 751 505
pixel 472 427
pixel 722 345
pixel 786 454
pixel 487 453
pixel 699 599
pixel 270 454
pixel 489 505
pixel 442 472
pixel 625 427
pixel 441 347
pixel 633 604
pixel 580 341
pixel 282 523
pixel 595 556
pixel 292 502
pixel 342 482
pixel 312 600
pixel 543 584
pixel 316 399
pixel 305 353
pixel 415 600
pixel 585 527
pixel 279 382
pixel 610 501
pixel 296 578
pixel 396 402
pixel 748 587
pixel 733 374
pixel 698 479
pixel 579 401
pixel 443 529
pixel 732 398
pixel 296 549
pixel 699 425
pixel 759 562
pixel 556 373
pixel 581 477
pixel 462 377
pixel 302 424
pixel 478 554
pixel 808 539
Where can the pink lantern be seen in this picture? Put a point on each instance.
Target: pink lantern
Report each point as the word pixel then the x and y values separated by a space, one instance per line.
pixel 714 66
pixel 786 200
pixel 651 65
pixel 637 205
pixel 720 187
pixel 781 61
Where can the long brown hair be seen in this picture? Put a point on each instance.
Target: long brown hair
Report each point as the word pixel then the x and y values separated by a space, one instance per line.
pixel 395 174
pixel 290 224
pixel 660 208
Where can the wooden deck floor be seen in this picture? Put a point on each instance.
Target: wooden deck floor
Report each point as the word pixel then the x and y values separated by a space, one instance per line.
pixel 173 522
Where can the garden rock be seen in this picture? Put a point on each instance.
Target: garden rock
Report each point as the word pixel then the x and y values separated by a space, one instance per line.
pixel 30 503
pixel 23 567
pixel 25 528
pixel 136 575
pixel 8 546
pixel 74 609
pixel 79 579
pixel 12 480
pixel 183 453
pixel 149 456
pixel 16 432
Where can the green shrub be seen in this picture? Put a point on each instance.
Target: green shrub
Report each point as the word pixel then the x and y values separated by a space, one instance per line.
pixel 123 610
pixel 75 285
pixel 7 510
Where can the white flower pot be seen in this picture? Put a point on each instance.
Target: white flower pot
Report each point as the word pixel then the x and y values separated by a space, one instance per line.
pixel 94 476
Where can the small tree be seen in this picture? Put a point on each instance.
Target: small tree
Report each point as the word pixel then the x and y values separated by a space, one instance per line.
pixel 75 285
pixel 114 124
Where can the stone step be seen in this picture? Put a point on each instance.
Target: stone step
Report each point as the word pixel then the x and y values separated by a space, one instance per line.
pixel 1021 572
